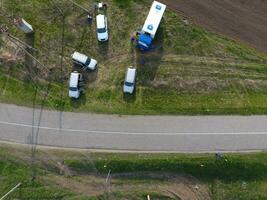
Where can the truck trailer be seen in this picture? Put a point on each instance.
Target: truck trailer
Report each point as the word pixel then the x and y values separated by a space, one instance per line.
pixel 151 25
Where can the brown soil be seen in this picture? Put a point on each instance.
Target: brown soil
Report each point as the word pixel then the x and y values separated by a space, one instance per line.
pixel 245 20
pixel 175 186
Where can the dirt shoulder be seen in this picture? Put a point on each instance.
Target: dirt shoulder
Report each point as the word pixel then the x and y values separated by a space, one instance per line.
pixel 244 20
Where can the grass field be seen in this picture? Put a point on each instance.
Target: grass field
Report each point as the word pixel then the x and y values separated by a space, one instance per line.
pixel 66 174
pixel 188 71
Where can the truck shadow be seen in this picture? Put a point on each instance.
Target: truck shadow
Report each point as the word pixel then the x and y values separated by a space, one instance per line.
pixel 148 62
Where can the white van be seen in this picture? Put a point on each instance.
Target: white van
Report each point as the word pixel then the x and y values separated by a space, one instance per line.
pixel 74 85
pixel 102 28
pixel 84 61
pixel 129 83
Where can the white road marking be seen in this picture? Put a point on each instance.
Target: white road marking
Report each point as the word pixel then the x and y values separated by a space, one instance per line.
pixel 130 133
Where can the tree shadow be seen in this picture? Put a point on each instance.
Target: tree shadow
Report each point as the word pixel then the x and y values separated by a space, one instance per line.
pixel 30 40
pixel 30 63
pixel 148 62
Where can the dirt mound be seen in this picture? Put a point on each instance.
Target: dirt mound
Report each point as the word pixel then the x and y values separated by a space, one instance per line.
pixel 245 20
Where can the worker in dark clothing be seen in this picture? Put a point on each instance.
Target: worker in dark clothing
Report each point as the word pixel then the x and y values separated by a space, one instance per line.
pixel 132 39
pixel 89 19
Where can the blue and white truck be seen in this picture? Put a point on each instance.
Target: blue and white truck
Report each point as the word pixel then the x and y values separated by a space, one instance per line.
pixel 151 25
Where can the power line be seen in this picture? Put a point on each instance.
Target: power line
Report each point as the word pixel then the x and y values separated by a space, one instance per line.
pixel 61 64
pixel 79 6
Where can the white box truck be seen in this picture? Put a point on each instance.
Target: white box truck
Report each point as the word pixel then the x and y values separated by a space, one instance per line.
pixel 151 25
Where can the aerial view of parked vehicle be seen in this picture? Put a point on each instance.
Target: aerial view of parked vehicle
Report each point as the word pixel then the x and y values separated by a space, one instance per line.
pixel 129 83
pixel 84 61
pixel 75 88
pixel 102 27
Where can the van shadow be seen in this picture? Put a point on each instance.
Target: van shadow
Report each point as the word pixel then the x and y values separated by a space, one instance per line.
pixel 129 98
pixel 89 76
pixel 77 103
pixel 148 62
pixel 103 48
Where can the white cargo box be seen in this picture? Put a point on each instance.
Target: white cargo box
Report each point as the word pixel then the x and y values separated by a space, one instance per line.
pixel 154 18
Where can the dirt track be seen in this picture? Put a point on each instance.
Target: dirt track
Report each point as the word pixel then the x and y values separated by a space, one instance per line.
pixel 245 20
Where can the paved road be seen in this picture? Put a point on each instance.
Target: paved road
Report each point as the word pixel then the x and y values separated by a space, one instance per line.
pixel 138 133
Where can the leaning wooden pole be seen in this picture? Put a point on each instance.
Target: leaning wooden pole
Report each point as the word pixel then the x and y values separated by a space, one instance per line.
pixel 12 190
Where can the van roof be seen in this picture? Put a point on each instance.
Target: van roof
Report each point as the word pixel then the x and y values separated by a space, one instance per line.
pixel 100 21
pixel 79 57
pixel 154 17
pixel 130 76
pixel 74 78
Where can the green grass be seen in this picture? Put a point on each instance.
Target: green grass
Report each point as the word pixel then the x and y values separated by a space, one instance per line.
pixel 189 71
pixel 235 176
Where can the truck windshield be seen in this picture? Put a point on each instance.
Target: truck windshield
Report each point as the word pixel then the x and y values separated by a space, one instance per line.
pixel 74 89
pixel 101 30
pixel 128 84
pixel 87 63
pixel 143 44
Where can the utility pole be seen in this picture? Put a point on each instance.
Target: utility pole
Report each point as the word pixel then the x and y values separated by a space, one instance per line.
pixel 108 184
pixel 12 190
pixel 107 179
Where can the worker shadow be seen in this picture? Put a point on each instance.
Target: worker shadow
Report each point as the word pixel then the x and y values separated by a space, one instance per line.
pixel 148 62
pixel 4 86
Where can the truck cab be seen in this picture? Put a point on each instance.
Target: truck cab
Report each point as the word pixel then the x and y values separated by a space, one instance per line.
pixel 75 85
pixel 144 42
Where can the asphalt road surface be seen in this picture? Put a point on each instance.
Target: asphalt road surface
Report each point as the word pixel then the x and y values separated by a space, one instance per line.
pixel 133 133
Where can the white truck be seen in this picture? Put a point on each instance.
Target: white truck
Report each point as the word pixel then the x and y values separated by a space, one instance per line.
pixel 84 61
pixel 151 25
pixel 102 28
pixel 129 82
pixel 75 85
